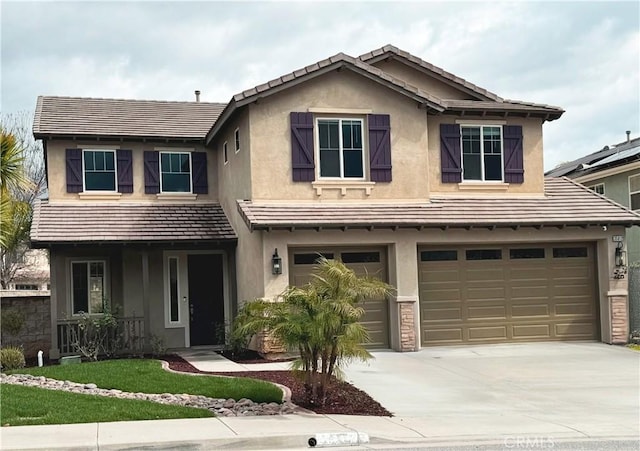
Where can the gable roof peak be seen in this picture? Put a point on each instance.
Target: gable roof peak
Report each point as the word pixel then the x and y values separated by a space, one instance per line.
pixel 390 50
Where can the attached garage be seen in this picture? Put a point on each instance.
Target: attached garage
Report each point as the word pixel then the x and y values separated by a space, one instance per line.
pixel 494 294
pixel 362 261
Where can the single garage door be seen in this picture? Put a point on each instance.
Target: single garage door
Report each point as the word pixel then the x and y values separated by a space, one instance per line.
pixel 508 293
pixel 362 262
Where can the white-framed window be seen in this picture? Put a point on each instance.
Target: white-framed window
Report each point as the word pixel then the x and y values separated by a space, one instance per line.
pixel 88 286
pixel 340 148
pixel 599 188
pixel 175 172
pixel 236 138
pixel 99 170
pixel 225 154
pixel 482 153
pixel 634 192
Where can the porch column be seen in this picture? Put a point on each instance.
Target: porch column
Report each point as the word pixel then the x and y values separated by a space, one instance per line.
pixel 54 351
pixel 145 298
pixel 405 318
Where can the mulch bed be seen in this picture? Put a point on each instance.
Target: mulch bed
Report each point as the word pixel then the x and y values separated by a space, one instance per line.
pixel 343 398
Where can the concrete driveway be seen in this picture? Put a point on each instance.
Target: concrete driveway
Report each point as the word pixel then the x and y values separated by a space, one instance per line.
pixel 592 389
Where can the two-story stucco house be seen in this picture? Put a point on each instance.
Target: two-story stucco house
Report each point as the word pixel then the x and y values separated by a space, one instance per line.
pixel 180 211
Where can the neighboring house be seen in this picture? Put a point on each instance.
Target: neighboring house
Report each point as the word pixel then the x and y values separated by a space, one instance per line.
pixel 613 172
pixel 32 273
pixel 180 211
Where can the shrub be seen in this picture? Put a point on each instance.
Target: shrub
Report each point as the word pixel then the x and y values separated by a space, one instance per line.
pixel 96 335
pixel 319 320
pixel 634 337
pixel 11 358
pixel 158 347
pixel 12 321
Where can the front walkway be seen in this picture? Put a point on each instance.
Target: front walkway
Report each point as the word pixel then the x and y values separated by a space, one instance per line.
pixel 205 358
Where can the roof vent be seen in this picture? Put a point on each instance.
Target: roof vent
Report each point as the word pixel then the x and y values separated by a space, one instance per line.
pixel 197 95
pixel 628 132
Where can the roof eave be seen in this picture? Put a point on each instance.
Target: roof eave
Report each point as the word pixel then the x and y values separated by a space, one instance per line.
pixel 121 137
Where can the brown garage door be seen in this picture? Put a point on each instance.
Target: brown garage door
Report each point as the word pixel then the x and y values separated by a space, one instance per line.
pixel 507 294
pixel 361 261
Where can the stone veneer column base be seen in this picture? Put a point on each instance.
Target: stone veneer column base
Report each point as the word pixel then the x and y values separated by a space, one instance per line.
pixel 407 328
pixel 619 316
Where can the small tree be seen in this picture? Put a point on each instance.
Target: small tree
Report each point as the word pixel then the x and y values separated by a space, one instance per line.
pixel 320 321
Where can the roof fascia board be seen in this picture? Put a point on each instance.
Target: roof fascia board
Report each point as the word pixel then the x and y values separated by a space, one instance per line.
pixel 608 172
pixel 120 138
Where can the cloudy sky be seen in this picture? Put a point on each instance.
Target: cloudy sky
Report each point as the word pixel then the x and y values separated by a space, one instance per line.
pixel 582 56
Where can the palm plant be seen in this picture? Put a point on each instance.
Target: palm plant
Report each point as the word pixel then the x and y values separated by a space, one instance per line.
pixel 319 320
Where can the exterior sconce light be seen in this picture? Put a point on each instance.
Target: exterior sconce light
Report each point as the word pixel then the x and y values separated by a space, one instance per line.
pixel 620 255
pixel 276 263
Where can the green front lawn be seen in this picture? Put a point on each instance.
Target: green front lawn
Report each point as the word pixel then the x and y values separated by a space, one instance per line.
pixel 147 376
pixel 634 347
pixel 30 405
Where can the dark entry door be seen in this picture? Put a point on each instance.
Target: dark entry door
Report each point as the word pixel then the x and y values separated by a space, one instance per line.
pixel 206 299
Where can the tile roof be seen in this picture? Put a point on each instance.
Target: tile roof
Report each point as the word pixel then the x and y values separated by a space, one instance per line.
pixel 80 116
pixel 565 203
pixel 332 63
pixel 516 106
pixel 59 223
pixel 383 52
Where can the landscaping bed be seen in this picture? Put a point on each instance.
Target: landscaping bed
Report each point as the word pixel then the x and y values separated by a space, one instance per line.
pixel 343 398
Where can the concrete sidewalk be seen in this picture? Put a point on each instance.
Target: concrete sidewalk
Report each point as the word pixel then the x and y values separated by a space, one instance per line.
pixel 292 432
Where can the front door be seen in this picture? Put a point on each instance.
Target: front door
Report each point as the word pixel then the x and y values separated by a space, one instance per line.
pixel 206 299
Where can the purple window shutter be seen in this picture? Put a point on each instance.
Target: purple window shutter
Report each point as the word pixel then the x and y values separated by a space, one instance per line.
pixel 302 161
pixel 379 147
pixel 199 172
pixel 125 171
pixel 513 154
pixel 151 172
pixel 450 154
pixel 74 170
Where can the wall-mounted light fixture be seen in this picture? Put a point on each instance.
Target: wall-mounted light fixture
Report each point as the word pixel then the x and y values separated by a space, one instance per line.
pixel 276 263
pixel 620 255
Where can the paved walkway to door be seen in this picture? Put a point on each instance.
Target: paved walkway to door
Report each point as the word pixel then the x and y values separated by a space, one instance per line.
pixel 591 388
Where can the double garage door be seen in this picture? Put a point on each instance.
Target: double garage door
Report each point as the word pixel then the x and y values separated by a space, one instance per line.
pixel 507 294
pixel 370 262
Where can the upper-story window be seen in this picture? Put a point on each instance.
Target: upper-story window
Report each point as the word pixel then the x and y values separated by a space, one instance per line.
pixel 225 153
pixel 599 188
pixel 335 148
pixel 634 192
pixel 236 138
pixel 340 148
pixel 99 170
pixel 175 172
pixel 482 153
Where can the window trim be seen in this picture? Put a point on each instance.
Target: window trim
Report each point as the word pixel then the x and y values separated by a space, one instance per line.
pixel 225 153
pixel 168 323
pixel 598 185
pixel 630 192
pixel 236 137
pixel 115 171
pixel 482 154
pixel 365 148
pixel 105 285
pixel 180 152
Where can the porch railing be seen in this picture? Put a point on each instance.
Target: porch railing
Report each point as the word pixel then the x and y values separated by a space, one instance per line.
pixel 127 338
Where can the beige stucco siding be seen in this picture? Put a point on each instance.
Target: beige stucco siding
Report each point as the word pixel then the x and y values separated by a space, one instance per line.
pixel 533 158
pixel 57 170
pixel 421 80
pixel 341 92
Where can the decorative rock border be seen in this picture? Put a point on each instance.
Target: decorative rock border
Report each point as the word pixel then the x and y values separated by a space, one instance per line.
pixel 221 407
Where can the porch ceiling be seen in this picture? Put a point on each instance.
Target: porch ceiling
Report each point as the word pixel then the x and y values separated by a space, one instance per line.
pixel 565 203
pixel 66 223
